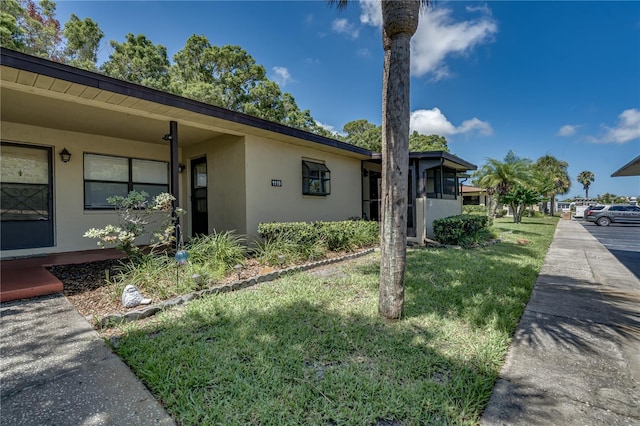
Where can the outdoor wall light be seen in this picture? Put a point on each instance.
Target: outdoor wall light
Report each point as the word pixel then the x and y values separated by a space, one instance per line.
pixel 181 168
pixel 65 155
pixel 167 137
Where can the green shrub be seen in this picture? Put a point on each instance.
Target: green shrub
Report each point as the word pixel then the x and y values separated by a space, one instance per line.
pixel 311 241
pixel 278 250
pixel 218 252
pixel 463 230
pixel 473 209
pixel 153 274
pixel 135 214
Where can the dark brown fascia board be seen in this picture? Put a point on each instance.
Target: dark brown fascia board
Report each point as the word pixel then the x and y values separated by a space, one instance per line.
pixel 445 156
pixel 632 168
pixel 41 66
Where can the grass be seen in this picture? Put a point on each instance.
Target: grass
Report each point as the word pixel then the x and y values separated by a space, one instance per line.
pixel 308 349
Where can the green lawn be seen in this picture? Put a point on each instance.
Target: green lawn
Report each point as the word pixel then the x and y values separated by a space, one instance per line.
pixel 312 350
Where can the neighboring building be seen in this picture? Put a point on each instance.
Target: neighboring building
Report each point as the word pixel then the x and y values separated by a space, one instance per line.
pixel 474 196
pixel 230 171
pixel 434 190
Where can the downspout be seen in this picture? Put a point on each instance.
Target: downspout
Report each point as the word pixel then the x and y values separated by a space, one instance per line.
pixel 460 185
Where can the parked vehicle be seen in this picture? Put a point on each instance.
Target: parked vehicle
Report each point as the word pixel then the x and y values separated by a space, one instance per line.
pixel 603 215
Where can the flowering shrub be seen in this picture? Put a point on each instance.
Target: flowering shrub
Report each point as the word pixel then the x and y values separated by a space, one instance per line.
pixel 135 213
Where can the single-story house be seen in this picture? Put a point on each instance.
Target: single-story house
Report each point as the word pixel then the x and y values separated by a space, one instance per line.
pixel 71 138
pixel 474 196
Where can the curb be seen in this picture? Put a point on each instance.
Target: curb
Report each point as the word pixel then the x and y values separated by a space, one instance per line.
pixel 113 319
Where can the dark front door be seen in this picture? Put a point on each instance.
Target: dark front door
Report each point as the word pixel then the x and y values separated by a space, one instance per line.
pixel 411 204
pixel 26 201
pixel 375 191
pixel 199 180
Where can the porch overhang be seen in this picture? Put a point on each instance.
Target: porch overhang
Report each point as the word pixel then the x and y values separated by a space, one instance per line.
pixel 47 94
pixel 440 158
pixel 632 168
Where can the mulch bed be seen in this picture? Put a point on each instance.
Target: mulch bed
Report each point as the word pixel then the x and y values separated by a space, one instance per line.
pixel 86 286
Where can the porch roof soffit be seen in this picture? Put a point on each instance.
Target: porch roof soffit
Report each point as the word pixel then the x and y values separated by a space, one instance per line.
pixel 632 168
pixel 61 97
pixel 437 158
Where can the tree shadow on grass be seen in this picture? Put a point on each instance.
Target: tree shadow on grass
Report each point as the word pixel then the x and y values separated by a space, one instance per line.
pixel 575 341
pixel 302 362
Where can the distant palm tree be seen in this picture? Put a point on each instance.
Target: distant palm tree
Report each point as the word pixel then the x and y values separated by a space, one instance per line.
pixel 399 24
pixel 554 173
pixel 586 178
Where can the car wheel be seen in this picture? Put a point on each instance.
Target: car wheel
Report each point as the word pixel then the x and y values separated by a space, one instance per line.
pixel 604 221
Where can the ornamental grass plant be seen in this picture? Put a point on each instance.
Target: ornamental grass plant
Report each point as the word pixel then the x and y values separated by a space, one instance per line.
pixel 310 348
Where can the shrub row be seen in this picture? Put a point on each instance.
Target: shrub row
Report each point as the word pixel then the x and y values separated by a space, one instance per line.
pixel 474 209
pixel 463 229
pixel 345 235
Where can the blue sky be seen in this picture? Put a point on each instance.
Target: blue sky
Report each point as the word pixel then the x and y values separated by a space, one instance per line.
pixel 558 78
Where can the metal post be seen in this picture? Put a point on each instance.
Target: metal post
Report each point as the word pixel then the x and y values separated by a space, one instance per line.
pixel 175 191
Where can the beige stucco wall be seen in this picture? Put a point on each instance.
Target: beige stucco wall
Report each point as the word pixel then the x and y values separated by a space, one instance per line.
pixel 433 209
pixel 70 219
pixel 267 159
pixel 240 170
pixel 226 191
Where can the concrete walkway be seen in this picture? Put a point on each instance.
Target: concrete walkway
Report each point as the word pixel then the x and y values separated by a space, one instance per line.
pixel 56 370
pixel 575 357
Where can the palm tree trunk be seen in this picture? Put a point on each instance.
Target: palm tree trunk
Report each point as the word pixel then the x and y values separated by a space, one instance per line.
pixel 395 153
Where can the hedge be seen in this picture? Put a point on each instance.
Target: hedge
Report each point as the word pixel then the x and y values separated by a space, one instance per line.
pixel 460 229
pixel 346 235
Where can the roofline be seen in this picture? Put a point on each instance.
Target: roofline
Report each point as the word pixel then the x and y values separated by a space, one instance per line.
pixel 434 154
pixel 41 66
pixel 626 169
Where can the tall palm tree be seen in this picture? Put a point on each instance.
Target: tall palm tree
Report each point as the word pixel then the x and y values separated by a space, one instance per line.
pixel 555 173
pixel 586 178
pixel 399 24
pixel 500 176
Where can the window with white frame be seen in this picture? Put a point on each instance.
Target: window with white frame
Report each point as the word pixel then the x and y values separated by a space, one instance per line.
pixel 106 176
pixel 316 178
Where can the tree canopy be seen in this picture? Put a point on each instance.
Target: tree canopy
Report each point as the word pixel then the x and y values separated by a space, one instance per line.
pixel 225 76
pixel 552 178
pixel 367 135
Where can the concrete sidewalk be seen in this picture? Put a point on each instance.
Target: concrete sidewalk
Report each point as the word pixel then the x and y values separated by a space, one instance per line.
pixel 56 370
pixel 575 357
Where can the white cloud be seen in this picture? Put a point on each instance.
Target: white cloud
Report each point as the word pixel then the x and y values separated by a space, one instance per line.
pixel 627 129
pixel 282 76
pixel 567 130
pixel 438 36
pixel 364 52
pixel 433 121
pixel 371 13
pixel 328 128
pixel 343 26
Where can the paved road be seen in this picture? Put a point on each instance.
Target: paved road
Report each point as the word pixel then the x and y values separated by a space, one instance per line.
pixel 622 240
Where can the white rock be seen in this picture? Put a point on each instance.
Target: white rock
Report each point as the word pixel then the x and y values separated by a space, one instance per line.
pixel 131 297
